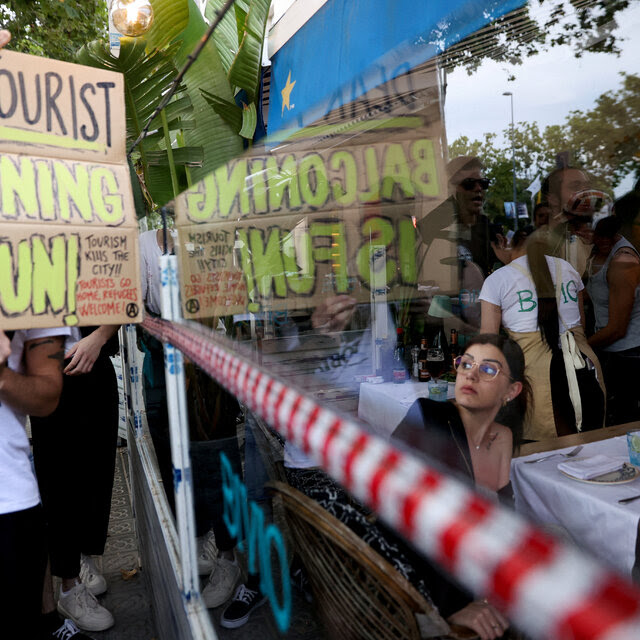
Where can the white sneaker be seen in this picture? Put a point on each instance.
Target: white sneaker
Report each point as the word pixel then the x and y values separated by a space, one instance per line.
pixel 221 583
pixel 82 607
pixel 91 576
pixel 207 554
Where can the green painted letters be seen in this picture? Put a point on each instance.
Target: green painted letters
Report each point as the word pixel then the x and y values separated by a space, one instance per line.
pixel 528 298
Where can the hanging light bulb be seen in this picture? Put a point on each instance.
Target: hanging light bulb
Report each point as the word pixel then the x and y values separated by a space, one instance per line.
pixel 132 17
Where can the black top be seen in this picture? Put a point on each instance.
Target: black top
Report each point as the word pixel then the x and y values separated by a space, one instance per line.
pixel 435 429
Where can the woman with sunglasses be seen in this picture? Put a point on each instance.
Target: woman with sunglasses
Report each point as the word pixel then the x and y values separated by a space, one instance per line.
pixel 471 437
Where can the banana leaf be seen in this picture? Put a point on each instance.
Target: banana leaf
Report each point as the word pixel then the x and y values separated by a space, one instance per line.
pixel 185 156
pixel 217 138
pixel 226 34
pixel 147 77
pixel 170 20
pixel 230 112
pixel 245 69
pixel 249 121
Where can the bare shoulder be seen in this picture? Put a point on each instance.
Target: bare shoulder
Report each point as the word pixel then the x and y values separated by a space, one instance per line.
pixel 626 255
pixel 504 437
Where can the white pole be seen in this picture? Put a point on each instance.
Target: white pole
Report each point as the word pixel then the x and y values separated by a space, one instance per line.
pixel 179 432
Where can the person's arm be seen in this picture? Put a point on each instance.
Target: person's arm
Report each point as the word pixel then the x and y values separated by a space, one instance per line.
pixel 491 317
pixel 333 314
pixel 36 391
pixel 85 352
pixel 623 278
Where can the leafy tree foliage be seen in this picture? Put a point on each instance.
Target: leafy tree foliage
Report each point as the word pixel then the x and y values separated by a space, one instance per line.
pixel 604 140
pixel 584 25
pixel 53 28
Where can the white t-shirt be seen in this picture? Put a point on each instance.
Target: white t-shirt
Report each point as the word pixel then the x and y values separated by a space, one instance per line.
pixel 18 486
pixel 150 270
pixel 515 293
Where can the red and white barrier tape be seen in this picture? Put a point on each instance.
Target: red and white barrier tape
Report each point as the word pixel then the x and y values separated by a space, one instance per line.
pixel 549 590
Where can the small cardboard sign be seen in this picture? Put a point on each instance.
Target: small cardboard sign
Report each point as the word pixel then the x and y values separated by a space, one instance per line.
pixel 68 240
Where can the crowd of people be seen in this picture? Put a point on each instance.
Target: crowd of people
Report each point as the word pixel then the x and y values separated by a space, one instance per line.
pixel 553 326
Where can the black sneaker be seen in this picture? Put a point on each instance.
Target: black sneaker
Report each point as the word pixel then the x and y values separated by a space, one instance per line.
pixel 68 631
pixel 241 607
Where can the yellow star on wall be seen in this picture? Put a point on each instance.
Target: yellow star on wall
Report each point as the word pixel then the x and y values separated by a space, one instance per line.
pixel 286 94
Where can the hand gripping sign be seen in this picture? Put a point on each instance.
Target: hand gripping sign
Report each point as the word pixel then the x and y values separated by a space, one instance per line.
pixel 68 246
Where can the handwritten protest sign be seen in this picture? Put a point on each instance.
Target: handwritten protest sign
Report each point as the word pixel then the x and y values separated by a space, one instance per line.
pixel 68 246
pixel 284 230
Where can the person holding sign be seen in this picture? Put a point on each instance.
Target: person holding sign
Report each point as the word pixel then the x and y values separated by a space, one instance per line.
pixel 30 383
pixel 66 440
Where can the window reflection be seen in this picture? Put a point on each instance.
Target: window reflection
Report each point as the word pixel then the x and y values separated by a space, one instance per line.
pixel 357 258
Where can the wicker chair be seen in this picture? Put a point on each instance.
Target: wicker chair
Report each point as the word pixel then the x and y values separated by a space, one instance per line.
pixel 358 594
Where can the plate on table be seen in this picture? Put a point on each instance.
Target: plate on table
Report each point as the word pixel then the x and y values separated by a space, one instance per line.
pixel 626 473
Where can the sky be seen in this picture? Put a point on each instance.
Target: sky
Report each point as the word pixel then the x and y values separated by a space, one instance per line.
pixel 546 88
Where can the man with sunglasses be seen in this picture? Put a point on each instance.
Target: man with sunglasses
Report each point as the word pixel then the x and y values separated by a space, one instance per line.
pixel 464 207
pixel 463 212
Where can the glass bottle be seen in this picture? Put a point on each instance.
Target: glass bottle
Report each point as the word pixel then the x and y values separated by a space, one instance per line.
pixel 423 372
pixel 399 369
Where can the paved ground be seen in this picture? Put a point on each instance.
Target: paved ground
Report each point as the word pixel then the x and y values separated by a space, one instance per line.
pixel 127 595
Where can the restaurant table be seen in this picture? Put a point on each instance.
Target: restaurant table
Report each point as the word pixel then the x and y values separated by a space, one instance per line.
pixel 384 405
pixel 588 512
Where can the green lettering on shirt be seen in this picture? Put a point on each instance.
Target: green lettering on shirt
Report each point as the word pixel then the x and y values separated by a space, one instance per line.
pixel 528 298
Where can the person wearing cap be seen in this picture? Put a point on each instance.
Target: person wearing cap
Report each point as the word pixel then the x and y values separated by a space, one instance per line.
pixel 572 205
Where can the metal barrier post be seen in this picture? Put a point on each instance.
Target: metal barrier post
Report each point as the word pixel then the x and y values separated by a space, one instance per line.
pixel 131 375
pixel 179 432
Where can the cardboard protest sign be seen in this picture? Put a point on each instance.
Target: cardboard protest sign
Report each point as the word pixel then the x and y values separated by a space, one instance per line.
pixel 287 229
pixel 68 246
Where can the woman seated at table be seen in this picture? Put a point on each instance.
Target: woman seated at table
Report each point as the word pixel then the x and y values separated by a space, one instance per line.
pixel 477 433
pixel 490 374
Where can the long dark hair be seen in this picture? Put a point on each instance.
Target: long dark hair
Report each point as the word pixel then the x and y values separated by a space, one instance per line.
pixel 512 414
pixel 548 319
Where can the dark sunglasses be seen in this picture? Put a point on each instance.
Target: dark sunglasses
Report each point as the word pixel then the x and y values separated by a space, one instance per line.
pixel 468 184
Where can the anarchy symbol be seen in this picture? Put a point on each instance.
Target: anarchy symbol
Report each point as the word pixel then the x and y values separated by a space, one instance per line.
pixel 132 310
pixel 192 305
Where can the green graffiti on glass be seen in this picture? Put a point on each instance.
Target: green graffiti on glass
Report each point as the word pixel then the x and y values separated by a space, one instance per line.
pixel 279 262
pixel 272 184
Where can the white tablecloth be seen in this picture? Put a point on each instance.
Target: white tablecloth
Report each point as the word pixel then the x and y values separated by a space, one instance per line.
pixel 383 406
pixel 590 513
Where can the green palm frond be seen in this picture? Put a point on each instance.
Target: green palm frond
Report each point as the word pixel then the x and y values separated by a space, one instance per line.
pixel 230 112
pixel 226 34
pixel 147 77
pixel 219 142
pixel 245 69
pixel 239 39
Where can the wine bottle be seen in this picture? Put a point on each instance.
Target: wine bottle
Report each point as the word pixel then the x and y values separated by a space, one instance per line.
pixel 423 372
pixel 453 344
